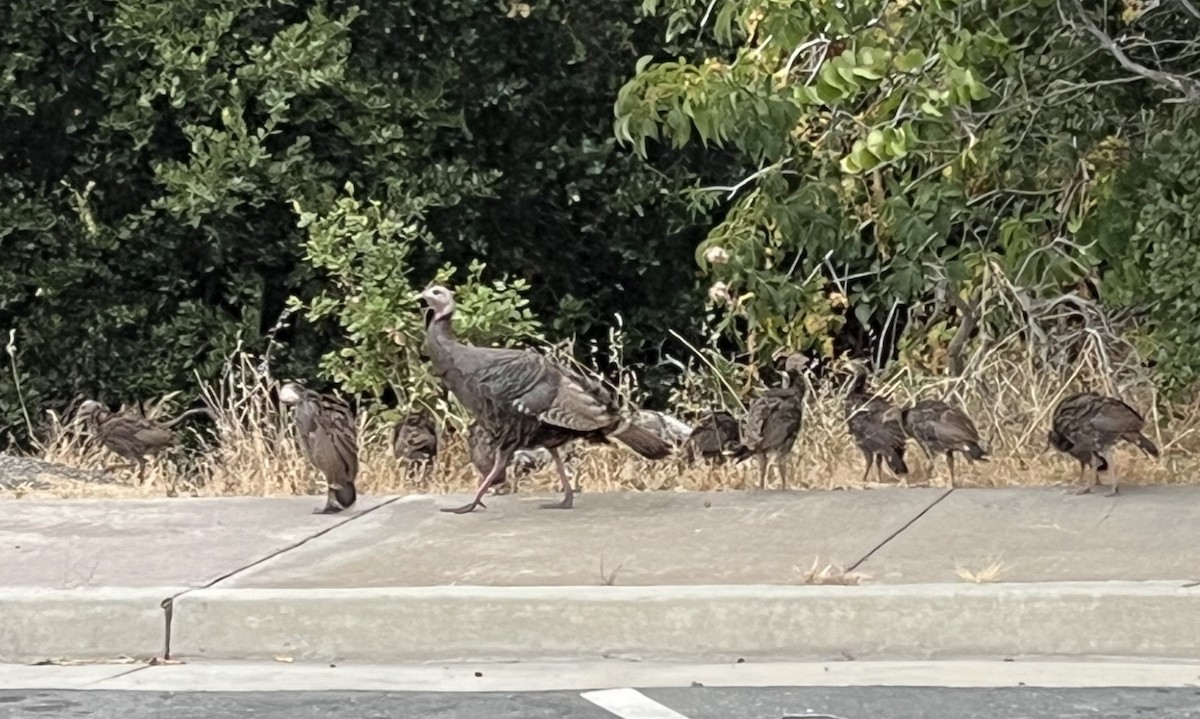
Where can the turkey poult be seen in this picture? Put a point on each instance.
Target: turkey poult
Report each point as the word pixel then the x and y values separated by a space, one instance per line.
pixel 1087 426
pixel 329 439
pixel 940 428
pixel 773 420
pixel 128 436
pixel 878 436
pixel 523 400
pixel 415 443
pixel 714 438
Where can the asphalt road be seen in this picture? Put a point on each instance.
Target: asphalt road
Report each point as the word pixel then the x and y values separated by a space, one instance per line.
pixel 694 703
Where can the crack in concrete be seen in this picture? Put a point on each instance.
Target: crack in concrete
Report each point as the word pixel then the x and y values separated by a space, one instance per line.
pixel 122 674
pixel 899 531
pixel 168 604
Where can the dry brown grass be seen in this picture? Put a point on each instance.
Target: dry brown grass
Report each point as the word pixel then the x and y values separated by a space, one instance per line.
pixel 252 450
pixel 991 572
pixel 831 574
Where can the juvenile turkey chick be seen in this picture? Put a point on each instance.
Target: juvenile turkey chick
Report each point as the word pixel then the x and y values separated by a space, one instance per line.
pixel 130 437
pixel 773 421
pixel 1087 425
pixel 876 434
pixel 328 437
pixel 941 428
pixel 415 443
pixel 714 438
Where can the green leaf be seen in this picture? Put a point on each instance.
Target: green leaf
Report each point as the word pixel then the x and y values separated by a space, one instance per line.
pixel 910 60
pixel 866 72
pixel 928 108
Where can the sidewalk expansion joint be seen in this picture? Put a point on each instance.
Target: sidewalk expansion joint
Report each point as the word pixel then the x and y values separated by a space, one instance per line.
pixel 133 670
pixel 168 604
pixel 899 531
pixel 288 548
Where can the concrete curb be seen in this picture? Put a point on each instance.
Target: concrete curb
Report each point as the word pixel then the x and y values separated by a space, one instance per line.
pixel 85 623
pixel 698 623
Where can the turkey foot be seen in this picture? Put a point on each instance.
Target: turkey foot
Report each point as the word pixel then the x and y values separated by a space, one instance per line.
pixel 567 502
pixel 465 509
pixel 498 466
pixel 327 510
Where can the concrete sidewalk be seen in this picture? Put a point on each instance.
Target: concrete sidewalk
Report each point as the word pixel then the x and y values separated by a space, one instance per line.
pixel 693 576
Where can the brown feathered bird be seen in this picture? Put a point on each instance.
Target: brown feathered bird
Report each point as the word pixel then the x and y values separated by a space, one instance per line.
pixel 940 428
pixel 714 438
pixel 328 438
pixel 772 422
pixel 415 443
pixel 521 400
pixel 876 433
pixel 483 457
pixel 1087 425
pixel 130 437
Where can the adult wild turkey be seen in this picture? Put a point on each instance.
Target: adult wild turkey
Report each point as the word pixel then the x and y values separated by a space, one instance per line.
pixel 521 400
pixel 940 428
pixel 772 422
pixel 1087 425
pixel 129 436
pixel 415 443
pixel 876 434
pixel 328 438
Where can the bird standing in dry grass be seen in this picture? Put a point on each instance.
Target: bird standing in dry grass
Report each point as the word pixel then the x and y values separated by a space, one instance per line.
pixel 415 443
pixel 878 436
pixel 940 428
pixel 1087 425
pixel 521 400
pixel 129 436
pixel 773 421
pixel 714 438
pixel 328 438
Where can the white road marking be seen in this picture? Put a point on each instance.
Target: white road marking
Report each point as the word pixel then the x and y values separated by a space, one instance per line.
pixel 630 704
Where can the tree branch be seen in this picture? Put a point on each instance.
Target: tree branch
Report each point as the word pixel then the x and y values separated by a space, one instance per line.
pixel 1186 86
pixel 970 317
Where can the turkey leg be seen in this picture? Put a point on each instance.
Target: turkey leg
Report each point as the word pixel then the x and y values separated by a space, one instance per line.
pixel 1112 477
pixel 568 500
pixel 950 461
pixel 498 467
pixel 870 457
pixel 1087 488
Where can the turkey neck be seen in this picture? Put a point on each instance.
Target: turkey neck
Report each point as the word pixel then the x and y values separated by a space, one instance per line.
pixel 439 338
pixel 440 343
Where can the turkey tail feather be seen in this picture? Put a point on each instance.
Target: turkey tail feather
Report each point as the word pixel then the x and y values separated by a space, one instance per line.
pixel 895 461
pixel 642 441
pixel 975 452
pixel 343 494
pixel 1143 442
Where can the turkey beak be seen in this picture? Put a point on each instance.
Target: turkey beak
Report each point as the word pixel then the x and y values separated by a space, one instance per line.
pixel 417 296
